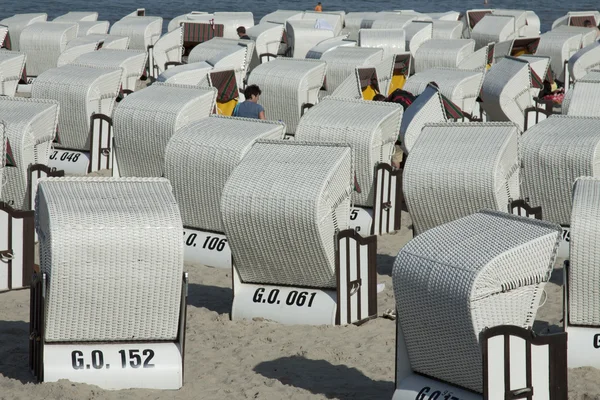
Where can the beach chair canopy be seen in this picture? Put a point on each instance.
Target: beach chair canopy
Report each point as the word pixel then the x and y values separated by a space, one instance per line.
pixel 392 41
pixel 552 160
pixel 11 70
pixel 493 277
pixel 583 99
pixel 303 36
pixel 387 21
pixel 353 20
pixel 281 16
pixel 287 85
pixel 342 61
pixel 559 46
pixel 313 202
pixel 17 23
pixel 81 91
pixel 168 48
pixel 369 127
pixel 443 29
pixel 111 41
pixel 416 33
pixel 333 20
pixel 516 47
pixel 145 121
pixel 267 37
pixel 92 27
pixel 29 128
pixel 447 53
pixel 456 169
pixel 213 147
pixel 186 74
pixel 142 31
pixel 585 60
pixel 326 45
pixel 225 53
pixel 77 16
pixel 588 35
pixel 132 62
pixel 493 29
pixel 77 47
pixel 146 231
pixel 177 21
pixel 43 42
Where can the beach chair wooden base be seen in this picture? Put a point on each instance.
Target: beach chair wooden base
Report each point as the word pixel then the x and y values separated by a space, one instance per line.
pixel 534 115
pixel 100 156
pixel 118 365
pixel 353 302
pixel 385 216
pixel 206 248
pixel 16 247
pixel 516 364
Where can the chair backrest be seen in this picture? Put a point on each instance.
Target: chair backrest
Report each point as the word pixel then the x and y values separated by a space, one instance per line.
pixel 317 51
pixel 147 252
pixel 342 61
pixel 584 61
pixel 392 41
pixel 17 23
pixel 448 53
pixel 493 28
pixel 142 31
pixel 132 62
pixel 43 42
pixel 559 46
pixel 168 49
pixel 583 99
pixel 195 33
pixel 92 27
pixel 186 74
pixel 77 16
pixel 11 71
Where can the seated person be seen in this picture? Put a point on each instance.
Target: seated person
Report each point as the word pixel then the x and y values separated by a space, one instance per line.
pixel 250 108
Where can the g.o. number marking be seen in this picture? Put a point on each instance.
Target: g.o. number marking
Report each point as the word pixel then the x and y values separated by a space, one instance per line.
pixel 210 243
pixel 66 156
pixel 293 298
pixel 97 359
pixel 436 395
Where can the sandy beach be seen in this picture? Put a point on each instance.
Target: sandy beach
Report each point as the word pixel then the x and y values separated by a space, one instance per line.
pixel 261 359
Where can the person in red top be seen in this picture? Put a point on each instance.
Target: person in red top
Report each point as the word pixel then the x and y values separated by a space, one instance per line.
pixel 318 7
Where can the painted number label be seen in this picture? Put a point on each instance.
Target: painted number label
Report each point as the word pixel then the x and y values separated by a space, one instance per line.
pixel 65 156
pixel 210 242
pixel 294 298
pixel 566 234
pixel 427 394
pixel 129 359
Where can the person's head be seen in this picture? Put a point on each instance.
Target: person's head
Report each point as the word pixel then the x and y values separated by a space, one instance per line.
pixel 587 23
pixel 319 3
pixel 241 31
pixel 379 97
pixel 252 93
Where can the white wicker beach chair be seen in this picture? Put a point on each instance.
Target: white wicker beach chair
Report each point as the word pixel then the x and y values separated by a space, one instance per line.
pixel 29 127
pixel 11 70
pixel 472 18
pixel 176 21
pixel 303 36
pixel 267 37
pixel 445 16
pixel 588 35
pixel 342 61
pixel 17 23
pixel 560 47
pixel 212 147
pixel 456 169
pixel 77 47
pixel 427 108
pixel 232 20
pixel 81 91
pixel 353 21
pixel 392 41
pixel 92 27
pixel 585 60
pixel 583 99
pixel 577 18
pixel 369 127
pixel 187 74
pixel 416 33
pixel 462 87
pixel 132 62
pixel 168 48
pixel 3 36
pixel 335 20
pixel 142 31
pixel 287 86
pixel 320 188
pixel 281 16
pixel 552 160
pixel 448 53
pixel 539 68
pixel 111 41
pixel 516 47
pixel 43 42
pixel 520 19
pixel 225 53
pixel 145 121
pixel 329 44
pixel 493 29
pixel 443 29
pixel 506 91
pixel 493 277
pixel 76 16
pixel 387 21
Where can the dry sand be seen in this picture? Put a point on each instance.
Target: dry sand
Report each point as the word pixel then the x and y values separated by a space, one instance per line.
pixel 260 359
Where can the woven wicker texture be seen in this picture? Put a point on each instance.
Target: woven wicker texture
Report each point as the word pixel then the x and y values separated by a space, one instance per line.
pixel 92 27
pixel 427 108
pixel 329 44
pixel 520 16
pixel 417 33
pixel 442 53
pixel 281 227
pixel 129 289
pixel 133 63
pixel 480 271
pixel 43 42
pixel 168 48
pixel 460 86
pixel 303 36
pixel 30 126
pixel 11 70
pixel 493 29
pixel 559 46
pixel 231 20
pixel 3 34
pixel 553 160
pixel 281 16
pixel 142 31
pixel 17 23
pixel 506 91
pixel 584 61
pixel 456 169
pixel 286 85
pixel 342 61
pixel 224 53
pixel 267 37
pixel 112 41
pixel 588 35
pixel 583 100
pixel 4 148
pixel 76 16
pixel 145 121
pixel 353 20
pixel 186 74
pixel 387 21
pixel 447 29
pixel 80 91
pixel 335 20
pixel 369 127
pixel 477 60
pixel 210 148
pixel 392 41
pixel 77 47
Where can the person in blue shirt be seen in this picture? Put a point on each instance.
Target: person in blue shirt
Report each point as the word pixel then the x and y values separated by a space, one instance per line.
pixel 250 108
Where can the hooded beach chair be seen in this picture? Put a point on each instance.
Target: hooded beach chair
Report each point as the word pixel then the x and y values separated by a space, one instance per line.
pixel 43 42
pixel 17 23
pixel 167 49
pixel 145 121
pixel 145 225
pixel 416 33
pixel 588 35
pixel 303 36
pixel 215 146
pixel 539 68
pixel 445 53
pixel 342 61
pixel 281 16
pixel 443 29
pixel 132 62
pixel 267 37
pixel 353 22
pixel 387 21
pixel 197 32
pixel 368 81
pixel 177 21
pixel 288 87
pixel 322 287
pixel 585 60
pixel 456 169
pixel 86 96
pixel 560 47
pixel 485 289
pixel 335 20
pixel 142 31
pixel 516 47
pixel 583 99
pixel 225 53
pixel 11 71
pixel 227 90
pixel 186 74
pixel 326 45
pixel 493 29
pixel 92 27
pixel 77 16
pixel 111 41
pixel 4 43
pixel 77 47
pixel 392 41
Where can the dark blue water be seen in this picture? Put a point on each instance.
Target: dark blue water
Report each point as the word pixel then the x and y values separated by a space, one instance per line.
pixel 112 10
